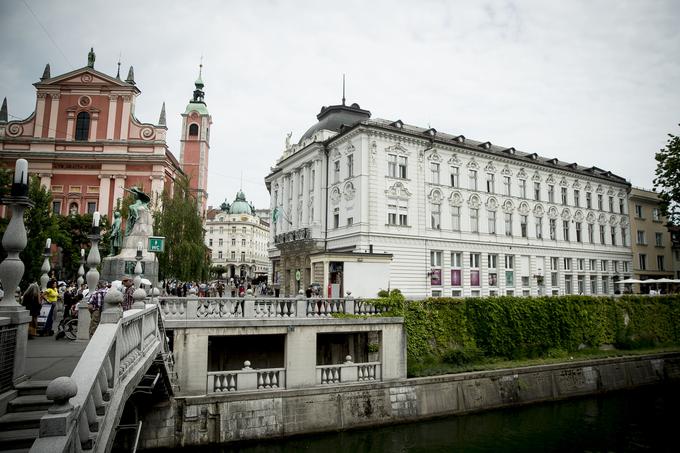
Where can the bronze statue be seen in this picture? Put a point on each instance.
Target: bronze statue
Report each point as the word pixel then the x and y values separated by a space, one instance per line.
pixel 141 200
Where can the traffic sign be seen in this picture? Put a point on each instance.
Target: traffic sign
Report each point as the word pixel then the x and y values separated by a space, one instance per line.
pixel 156 244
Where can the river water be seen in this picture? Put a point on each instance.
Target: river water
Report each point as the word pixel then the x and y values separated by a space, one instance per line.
pixel 643 420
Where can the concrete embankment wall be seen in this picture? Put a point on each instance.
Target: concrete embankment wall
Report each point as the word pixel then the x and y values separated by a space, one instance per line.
pixel 234 417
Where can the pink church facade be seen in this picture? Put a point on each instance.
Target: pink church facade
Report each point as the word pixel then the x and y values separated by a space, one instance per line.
pixel 85 143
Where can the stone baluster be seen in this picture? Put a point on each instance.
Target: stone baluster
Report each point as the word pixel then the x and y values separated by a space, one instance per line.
pixel 349 304
pixel 139 294
pixel 81 269
pixel 92 277
pixel 12 268
pixel 112 310
pixel 45 269
pixel 301 305
pixel 249 305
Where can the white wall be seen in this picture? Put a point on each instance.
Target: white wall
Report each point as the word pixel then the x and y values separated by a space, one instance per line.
pixel 366 279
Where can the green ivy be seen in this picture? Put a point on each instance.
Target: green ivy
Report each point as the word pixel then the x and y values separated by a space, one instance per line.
pixel 459 330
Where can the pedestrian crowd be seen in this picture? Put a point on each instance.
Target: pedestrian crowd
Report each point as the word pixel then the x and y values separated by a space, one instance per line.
pixel 232 287
pixel 60 299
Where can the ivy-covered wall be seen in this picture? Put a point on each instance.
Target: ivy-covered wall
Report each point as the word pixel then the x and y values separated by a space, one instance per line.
pixel 517 327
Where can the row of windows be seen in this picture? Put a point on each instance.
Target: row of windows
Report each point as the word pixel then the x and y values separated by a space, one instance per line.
pixel 580 264
pixel 220 243
pixel 397 168
pixel 73 207
pixel 233 256
pixel 660 262
pixel 522 189
pixel 244 230
pixel 642 238
pixel 336 170
pixel 639 213
pixel 581 234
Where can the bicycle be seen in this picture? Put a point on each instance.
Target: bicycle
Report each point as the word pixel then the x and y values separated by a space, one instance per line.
pixel 68 327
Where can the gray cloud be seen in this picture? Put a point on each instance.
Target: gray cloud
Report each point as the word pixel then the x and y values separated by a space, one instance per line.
pixel 588 82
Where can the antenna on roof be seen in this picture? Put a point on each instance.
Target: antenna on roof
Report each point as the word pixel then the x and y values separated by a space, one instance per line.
pixel 118 73
pixel 343 89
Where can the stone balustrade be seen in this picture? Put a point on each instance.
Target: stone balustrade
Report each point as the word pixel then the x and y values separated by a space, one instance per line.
pixel 348 372
pixel 192 308
pixel 246 379
pixel 86 405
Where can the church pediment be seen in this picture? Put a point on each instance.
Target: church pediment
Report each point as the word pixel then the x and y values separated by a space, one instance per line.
pixel 84 76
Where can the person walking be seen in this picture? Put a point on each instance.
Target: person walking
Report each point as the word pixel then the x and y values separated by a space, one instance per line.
pixel 95 305
pixel 31 300
pixel 128 300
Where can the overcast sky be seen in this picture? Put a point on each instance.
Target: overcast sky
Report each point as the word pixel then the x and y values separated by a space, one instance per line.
pixel 592 82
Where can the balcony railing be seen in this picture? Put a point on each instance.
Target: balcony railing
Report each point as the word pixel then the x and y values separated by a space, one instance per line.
pixel 192 308
pixel 246 379
pixel 348 372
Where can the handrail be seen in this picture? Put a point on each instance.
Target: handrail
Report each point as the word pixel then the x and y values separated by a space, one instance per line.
pixel 88 405
pixel 239 308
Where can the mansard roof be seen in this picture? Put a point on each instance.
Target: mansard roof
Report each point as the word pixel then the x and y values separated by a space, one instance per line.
pixel 487 147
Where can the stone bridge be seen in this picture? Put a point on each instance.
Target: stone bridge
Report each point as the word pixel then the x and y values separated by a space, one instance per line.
pixel 127 355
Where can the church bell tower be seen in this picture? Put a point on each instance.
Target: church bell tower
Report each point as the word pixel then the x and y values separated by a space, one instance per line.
pixel 195 143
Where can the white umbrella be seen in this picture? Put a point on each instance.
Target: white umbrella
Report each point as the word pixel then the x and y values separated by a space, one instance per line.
pixel 665 280
pixel 628 280
pixel 650 280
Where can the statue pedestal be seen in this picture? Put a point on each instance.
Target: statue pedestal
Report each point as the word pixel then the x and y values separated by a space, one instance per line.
pixel 115 267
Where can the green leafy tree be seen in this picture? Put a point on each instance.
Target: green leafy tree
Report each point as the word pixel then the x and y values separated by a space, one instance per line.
pixel 75 231
pixel 40 225
pixel 667 181
pixel 185 255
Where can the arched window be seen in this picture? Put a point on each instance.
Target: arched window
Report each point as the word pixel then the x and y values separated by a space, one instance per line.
pixel 193 130
pixel 83 126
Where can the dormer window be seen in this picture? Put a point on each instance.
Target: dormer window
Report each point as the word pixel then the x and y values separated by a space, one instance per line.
pixel 485 145
pixel 533 156
pixel 553 161
pixel 509 150
pixel 572 166
pixel 82 126
pixel 193 130
pixel 460 139
pixel 431 132
pixel 398 124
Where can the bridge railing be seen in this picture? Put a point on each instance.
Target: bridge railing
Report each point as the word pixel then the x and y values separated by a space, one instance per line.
pixel 192 308
pixel 88 404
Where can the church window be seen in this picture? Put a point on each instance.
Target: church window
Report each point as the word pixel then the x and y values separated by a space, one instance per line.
pixel 193 130
pixel 83 126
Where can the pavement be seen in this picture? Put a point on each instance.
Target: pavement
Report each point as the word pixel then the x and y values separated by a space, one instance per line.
pixel 47 358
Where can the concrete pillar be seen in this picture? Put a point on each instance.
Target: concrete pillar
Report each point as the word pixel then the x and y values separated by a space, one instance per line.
pixel 318 194
pixel 70 124
pixel 54 114
pixel 93 127
pixel 125 119
pixel 111 123
pixel 39 115
pixel 300 357
pixel 191 356
pixel 104 194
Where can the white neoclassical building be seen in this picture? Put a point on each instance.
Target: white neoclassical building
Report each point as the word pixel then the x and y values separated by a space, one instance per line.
pixel 447 215
pixel 238 239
